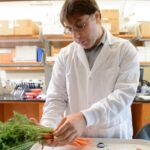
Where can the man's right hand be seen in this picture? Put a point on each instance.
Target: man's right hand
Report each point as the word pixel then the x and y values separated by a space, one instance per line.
pixel 70 128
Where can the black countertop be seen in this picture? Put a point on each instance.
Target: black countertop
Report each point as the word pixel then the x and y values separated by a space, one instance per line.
pixel 11 98
pixel 142 98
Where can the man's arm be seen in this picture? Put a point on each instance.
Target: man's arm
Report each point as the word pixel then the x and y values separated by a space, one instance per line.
pixel 56 100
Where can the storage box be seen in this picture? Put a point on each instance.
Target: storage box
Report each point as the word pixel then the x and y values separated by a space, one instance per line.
pixel 110 13
pixel 6 55
pixel 54 51
pixel 39 54
pixel 110 20
pixel 6 27
pixel 145 28
pixel 25 27
pixel 26 54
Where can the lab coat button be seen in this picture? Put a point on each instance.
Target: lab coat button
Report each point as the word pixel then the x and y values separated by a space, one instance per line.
pixel 90 78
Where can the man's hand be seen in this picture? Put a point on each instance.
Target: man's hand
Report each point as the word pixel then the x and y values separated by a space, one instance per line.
pixel 68 130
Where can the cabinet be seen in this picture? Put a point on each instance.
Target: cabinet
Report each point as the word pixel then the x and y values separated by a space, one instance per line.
pixel 140 111
pixel 32 109
pixel 141 115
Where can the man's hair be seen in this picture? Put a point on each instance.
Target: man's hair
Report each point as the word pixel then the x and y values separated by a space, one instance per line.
pixel 77 7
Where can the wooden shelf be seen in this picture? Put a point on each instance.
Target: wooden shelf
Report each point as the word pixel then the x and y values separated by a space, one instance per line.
pixel 22 64
pixel 145 38
pixel 36 66
pixel 58 37
pixel 35 39
pixel 23 68
pixel 126 36
pixel 145 64
pixel 65 37
pixel 12 41
pixel 19 36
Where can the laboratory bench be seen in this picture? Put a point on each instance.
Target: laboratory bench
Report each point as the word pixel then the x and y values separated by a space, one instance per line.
pixel 140 114
pixel 102 144
pixel 34 108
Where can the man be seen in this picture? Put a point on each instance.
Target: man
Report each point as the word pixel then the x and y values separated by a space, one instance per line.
pixel 94 80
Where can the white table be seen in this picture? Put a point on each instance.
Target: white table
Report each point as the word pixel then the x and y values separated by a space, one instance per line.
pixel 110 144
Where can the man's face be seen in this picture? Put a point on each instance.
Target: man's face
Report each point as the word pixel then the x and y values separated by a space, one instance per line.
pixel 85 29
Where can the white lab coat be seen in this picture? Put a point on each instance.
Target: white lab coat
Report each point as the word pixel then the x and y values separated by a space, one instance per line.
pixel 104 94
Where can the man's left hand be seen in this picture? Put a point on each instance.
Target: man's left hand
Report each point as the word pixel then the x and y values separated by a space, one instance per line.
pixel 70 127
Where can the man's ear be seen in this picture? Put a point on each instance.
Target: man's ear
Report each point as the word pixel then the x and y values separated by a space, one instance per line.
pixel 98 16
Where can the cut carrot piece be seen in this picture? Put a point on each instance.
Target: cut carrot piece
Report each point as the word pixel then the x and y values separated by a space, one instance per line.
pixel 81 142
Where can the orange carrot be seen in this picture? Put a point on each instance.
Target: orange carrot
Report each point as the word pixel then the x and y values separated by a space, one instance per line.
pixel 81 142
pixel 48 135
pixel 77 145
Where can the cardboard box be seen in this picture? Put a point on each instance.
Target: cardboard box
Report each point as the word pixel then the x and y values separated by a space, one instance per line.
pixel 6 27
pixel 110 13
pixel 110 20
pixel 115 26
pixel 25 27
pixel 6 55
pixel 54 51
pixel 111 25
pixel 107 24
pixel 145 28
pixel 26 54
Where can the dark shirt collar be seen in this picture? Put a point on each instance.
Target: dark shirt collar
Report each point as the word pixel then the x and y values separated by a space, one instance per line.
pixel 101 43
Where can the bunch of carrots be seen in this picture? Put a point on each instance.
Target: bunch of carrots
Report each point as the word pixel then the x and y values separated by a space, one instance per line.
pixel 20 133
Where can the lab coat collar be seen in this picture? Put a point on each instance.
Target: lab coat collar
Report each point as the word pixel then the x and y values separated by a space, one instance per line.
pixel 110 38
pixel 101 58
pixel 82 56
